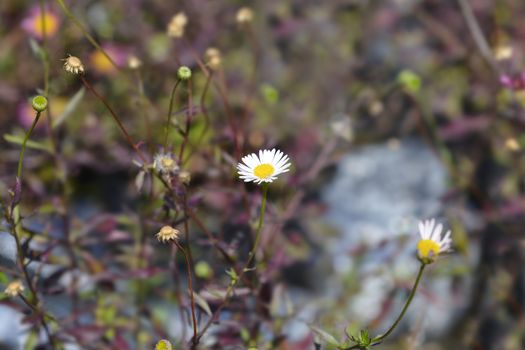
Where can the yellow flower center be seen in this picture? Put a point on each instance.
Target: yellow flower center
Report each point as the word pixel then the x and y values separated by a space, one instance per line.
pixel 51 24
pixel 263 171
pixel 427 246
pixel 167 162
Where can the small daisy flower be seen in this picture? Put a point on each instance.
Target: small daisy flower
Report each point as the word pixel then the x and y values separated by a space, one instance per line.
pixel 432 243
pixel 177 25
pixel 165 164
pixel 33 24
pixel 73 64
pixel 14 288
pixel 263 168
pixel 167 233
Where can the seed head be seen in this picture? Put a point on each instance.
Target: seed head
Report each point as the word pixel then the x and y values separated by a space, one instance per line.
pixel 167 233
pixel 73 64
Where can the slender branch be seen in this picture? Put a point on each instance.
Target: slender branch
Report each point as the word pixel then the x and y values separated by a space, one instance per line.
pixel 88 36
pixel 115 118
pixel 22 151
pixel 231 287
pixel 477 34
pixel 190 287
pixel 170 112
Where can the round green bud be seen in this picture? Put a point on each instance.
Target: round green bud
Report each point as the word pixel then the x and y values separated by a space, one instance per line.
pixel 184 73
pixel 39 103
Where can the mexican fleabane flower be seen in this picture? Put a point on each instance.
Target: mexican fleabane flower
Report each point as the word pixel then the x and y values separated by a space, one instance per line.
pixel 432 243
pixel 263 168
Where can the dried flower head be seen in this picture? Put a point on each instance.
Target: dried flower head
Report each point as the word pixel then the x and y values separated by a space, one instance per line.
pixel 503 52
pixel 512 144
pixel 167 233
pixel 165 164
pixel 134 62
pixel 263 168
pixel 185 177
pixel 244 15
pixel 177 25
pixel 73 64
pixel 14 288
pixel 213 58
pixel 431 243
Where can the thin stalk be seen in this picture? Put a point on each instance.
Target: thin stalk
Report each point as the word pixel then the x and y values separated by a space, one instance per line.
pixel 190 287
pixel 380 338
pixel 477 34
pixel 240 274
pixel 188 123
pixel 170 112
pixel 22 151
pixel 115 118
pixel 88 36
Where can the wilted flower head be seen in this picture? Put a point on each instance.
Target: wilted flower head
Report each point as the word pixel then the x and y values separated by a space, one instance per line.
pixel 165 164
pixel 14 288
pixel 177 25
pixel 33 23
pixel 185 177
pixel 503 52
pixel 167 233
pixel 244 15
pixel 263 168
pixel 73 64
pixel 213 58
pixel 431 243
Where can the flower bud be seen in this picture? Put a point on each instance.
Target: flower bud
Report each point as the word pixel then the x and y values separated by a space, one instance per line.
pixel 39 103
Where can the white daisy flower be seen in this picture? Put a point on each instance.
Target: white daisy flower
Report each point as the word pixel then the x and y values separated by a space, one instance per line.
pixel 263 168
pixel 164 163
pixel 432 243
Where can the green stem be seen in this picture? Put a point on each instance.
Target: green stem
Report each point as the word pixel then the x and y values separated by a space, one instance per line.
pixel 380 338
pixel 259 225
pixel 170 112
pixel 232 285
pixel 26 138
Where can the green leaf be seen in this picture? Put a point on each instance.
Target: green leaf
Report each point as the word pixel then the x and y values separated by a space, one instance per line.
pixel 70 108
pixel 202 303
pixel 30 144
pixel 410 81
pixel 325 336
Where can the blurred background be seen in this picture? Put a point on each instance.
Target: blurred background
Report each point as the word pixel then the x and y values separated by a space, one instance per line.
pixel 391 112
